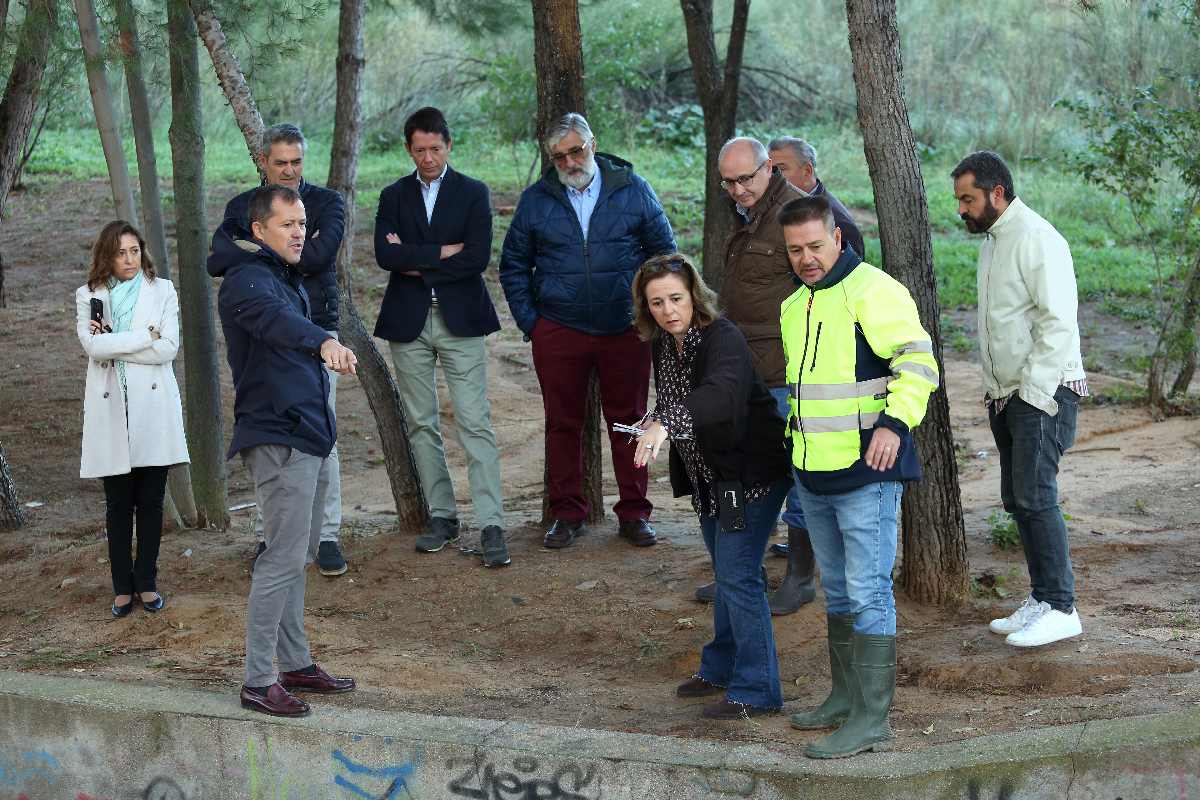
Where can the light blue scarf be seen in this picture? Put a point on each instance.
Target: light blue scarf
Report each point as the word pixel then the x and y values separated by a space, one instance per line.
pixel 123 297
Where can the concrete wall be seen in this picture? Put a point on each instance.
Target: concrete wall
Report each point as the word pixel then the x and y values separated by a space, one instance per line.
pixel 64 739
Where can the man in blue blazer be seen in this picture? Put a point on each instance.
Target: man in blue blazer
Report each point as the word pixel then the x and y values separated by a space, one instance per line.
pixel 433 233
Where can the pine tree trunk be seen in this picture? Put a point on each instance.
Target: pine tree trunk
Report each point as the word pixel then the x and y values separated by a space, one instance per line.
pixel 21 91
pixel 1186 331
pixel 558 60
pixel 935 566
pixel 3 18
pixel 181 504
pixel 377 382
pixel 717 89
pixel 11 515
pixel 204 430
pixel 233 82
pixel 106 115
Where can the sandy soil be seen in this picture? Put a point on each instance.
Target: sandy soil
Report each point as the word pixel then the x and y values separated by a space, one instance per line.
pixel 599 634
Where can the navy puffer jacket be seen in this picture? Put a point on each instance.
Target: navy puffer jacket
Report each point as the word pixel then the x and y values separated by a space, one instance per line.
pixel 548 270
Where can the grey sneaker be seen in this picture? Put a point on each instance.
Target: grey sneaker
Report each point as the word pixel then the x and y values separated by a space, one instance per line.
pixel 329 559
pixel 441 532
pixel 495 551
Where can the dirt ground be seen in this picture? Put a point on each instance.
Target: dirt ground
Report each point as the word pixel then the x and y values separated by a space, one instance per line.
pixel 597 635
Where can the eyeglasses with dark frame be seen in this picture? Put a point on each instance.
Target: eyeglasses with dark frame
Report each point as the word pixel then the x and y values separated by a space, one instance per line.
pixel 742 180
pixel 575 153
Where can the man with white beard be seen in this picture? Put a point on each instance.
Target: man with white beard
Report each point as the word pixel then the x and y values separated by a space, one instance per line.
pixel 578 236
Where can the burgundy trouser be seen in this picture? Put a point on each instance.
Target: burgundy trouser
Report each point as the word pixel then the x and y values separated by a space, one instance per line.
pixel 564 358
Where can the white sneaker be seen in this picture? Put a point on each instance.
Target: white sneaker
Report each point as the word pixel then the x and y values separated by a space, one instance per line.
pixel 1015 621
pixel 1046 626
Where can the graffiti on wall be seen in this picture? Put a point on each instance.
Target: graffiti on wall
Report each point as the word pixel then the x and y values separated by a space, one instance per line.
pixel 524 779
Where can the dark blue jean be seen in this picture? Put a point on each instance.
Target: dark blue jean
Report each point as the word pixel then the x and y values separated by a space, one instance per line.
pixel 1030 443
pixel 741 656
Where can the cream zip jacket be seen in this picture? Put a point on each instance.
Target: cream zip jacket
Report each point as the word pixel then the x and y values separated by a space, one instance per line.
pixel 1028 303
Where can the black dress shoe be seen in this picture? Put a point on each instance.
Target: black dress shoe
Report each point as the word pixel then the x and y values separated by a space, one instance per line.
pixel 696 686
pixel 276 702
pixel 637 531
pixel 562 534
pixel 122 611
pixel 731 709
pixel 156 604
pixel 319 682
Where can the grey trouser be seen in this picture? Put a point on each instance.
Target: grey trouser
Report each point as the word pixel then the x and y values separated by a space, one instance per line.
pixel 331 503
pixel 464 363
pixel 289 485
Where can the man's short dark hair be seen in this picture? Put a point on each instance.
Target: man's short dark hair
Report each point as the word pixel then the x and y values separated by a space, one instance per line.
pixel 429 120
pixel 265 196
pixel 807 209
pixel 989 170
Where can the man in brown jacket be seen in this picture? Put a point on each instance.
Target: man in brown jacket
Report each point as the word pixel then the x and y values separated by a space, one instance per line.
pixel 758 278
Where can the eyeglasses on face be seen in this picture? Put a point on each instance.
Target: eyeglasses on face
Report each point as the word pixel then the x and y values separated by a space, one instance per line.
pixel 742 180
pixel 575 153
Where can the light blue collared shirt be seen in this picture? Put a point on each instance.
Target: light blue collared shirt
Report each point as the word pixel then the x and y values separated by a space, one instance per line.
pixel 584 202
pixel 429 191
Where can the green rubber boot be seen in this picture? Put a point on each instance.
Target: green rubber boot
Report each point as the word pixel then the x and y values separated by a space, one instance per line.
pixel 874 667
pixel 835 709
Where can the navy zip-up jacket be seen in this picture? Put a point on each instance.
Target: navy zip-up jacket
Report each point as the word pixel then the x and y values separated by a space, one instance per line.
pixel 549 270
pixel 325 213
pixel 280 384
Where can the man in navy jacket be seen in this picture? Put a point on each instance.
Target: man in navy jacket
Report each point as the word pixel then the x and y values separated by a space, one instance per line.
pixel 284 430
pixel 433 233
pixel 282 161
pixel 578 236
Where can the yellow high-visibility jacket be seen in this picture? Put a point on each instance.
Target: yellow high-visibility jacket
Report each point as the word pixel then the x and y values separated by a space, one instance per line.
pixel 858 358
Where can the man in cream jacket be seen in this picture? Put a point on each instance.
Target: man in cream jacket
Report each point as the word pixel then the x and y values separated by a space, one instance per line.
pixel 1033 376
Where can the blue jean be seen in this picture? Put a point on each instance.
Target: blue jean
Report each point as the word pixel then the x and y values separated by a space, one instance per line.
pixel 1030 443
pixel 793 513
pixel 741 656
pixel 854 538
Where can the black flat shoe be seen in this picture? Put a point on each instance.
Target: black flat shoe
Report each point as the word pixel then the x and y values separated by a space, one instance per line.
pixel 122 611
pixel 155 605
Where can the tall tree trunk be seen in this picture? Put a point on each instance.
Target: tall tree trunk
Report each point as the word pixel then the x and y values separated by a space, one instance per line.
pixel 182 505
pixel 102 108
pixel 229 74
pixel 1186 331
pixel 717 89
pixel 3 18
pixel 558 60
pixel 377 381
pixel 935 549
pixel 21 91
pixel 204 431
pixel 11 515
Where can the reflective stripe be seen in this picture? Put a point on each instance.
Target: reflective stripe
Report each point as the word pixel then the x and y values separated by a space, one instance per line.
pixel 839 391
pixel 837 424
pixel 914 347
pixel 925 372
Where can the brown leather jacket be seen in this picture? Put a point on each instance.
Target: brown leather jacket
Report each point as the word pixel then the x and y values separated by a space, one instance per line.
pixel 758 278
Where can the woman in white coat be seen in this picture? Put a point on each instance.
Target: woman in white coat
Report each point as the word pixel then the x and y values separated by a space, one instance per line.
pixel 128 323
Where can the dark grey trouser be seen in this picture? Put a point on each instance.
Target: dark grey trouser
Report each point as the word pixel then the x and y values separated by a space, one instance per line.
pixel 290 486
pixel 1030 443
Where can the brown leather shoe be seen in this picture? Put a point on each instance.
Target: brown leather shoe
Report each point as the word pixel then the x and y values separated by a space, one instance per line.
pixel 277 702
pixel 696 686
pixel 638 532
pixel 731 709
pixel 562 534
pixel 320 683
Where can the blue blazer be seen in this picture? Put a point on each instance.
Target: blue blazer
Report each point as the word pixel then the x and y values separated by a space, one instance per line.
pixel 462 213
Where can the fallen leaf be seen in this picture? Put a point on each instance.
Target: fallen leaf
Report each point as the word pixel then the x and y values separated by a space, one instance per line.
pixel 928 730
pixel 1031 713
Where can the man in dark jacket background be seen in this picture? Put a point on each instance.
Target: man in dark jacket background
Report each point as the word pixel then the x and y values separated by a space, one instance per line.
pixel 797 160
pixel 757 279
pixel 282 160
pixel 433 233
pixel 284 430
pixel 578 236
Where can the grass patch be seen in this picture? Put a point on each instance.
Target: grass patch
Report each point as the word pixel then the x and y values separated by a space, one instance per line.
pixel 1002 531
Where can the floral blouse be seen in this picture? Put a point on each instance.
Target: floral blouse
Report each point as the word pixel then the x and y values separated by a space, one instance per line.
pixel 674 385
